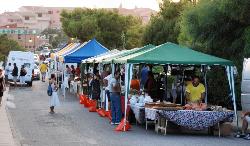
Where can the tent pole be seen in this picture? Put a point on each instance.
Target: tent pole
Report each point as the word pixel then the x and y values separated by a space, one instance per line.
pixel 233 94
pixel 182 85
pixel 127 85
pixel 205 77
pixel 166 83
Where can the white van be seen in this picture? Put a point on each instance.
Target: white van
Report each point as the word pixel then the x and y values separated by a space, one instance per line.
pixel 245 85
pixel 22 58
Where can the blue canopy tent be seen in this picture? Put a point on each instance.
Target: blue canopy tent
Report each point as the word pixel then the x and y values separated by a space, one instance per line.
pixel 92 48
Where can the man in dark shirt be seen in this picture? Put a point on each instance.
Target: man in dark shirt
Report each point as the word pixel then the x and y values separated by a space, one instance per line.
pixel 15 74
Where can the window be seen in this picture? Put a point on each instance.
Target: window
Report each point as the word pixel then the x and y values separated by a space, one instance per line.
pixel 50 12
pixel 39 14
pixel 26 17
pixel 19 36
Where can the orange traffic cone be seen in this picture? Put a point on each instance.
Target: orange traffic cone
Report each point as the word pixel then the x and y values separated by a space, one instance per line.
pixel 101 112
pixel 108 115
pixel 123 126
pixel 92 106
pixel 81 99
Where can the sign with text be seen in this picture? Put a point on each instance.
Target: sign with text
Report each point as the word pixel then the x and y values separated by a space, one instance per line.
pixel 17 31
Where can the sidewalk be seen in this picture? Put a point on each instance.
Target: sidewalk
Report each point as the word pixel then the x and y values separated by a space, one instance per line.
pixel 6 137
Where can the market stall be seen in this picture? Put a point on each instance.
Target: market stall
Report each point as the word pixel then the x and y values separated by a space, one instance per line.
pixel 173 54
pixel 90 49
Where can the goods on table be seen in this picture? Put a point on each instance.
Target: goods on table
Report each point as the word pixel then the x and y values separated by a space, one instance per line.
pixel 168 108
pixel 196 106
pixel 159 104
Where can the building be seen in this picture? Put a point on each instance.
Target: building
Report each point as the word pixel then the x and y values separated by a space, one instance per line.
pixel 26 37
pixel 22 24
pixel 40 18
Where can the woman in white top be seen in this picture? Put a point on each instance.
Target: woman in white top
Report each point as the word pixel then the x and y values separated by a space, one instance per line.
pixel 54 100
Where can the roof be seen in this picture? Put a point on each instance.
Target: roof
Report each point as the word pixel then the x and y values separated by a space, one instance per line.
pixel 170 53
pixel 101 56
pixel 92 48
pixel 127 53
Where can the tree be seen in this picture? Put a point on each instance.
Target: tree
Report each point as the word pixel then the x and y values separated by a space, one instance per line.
pixel 164 27
pixel 7 45
pixel 220 28
pixel 106 26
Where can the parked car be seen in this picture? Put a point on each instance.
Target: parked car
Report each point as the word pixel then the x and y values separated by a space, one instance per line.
pixel 36 74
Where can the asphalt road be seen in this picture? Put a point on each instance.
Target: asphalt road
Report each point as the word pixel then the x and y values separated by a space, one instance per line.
pixel 73 125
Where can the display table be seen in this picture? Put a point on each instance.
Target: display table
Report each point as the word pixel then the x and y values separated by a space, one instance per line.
pixel 195 120
pixel 150 116
pixel 139 112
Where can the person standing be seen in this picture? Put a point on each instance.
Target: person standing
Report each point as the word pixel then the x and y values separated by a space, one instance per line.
pixel 151 86
pixel 54 100
pixel 78 70
pixel 2 85
pixel 23 73
pixel 195 92
pixel 67 71
pixel 135 83
pixel 115 99
pixel 106 82
pixel 96 91
pixel 15 74
pixel 43 69
pixel 7 72
pixel 73 71
pixel 144 76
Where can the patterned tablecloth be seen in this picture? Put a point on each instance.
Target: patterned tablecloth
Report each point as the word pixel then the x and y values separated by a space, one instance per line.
pixel 196 120
pixel 150 113
pixel 139 112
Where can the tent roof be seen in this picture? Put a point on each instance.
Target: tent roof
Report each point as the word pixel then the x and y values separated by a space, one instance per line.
pixel 52 55
pixel 170 53
pixel 101 56
pixel 92 48
pixel 128 52
pixel 74 49
pixel 69 49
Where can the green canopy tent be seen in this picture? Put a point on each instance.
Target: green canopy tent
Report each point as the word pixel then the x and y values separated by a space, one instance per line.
pixel 170 53
pixel 129 52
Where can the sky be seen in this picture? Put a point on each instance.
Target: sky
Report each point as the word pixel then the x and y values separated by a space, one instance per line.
pixel 13 5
